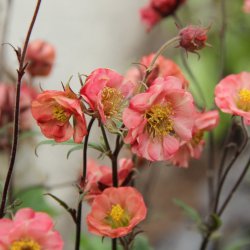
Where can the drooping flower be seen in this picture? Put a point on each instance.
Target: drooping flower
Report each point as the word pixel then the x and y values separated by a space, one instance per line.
pixel 116 212
pixel 246 6
pixel 232 95
pixel 193 38
pixel 204 121
pixel 53 109
pixel 41 56
pixel 29 230
pixel 7 104
pixel 100 177
pixel 158 119
pixel 157 10
pixel 106 92
pixel 163 67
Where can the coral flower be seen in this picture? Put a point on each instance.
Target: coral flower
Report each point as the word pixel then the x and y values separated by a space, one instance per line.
pixel 163 67
pixel 52 111
pixel 157 10
pixel 41 56
pixel 100 177
pixel 106 92
pixel 158 119
pixel 232 95
pixel 29 230
pixel 116 212
pixel 246 6
pixel 205 121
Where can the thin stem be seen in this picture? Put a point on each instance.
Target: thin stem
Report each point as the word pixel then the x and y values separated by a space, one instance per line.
pixel 114 244
pixel 158 53
pixel 83 180
pixel 223 38
pixel 21 72
pixel 105 138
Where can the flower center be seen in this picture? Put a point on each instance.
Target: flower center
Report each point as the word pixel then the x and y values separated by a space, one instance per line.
pixel 117 217
pixel 25 244
pixel 197 137
pixel 113 102
pixel 243 102
pixel 159 121
pixel 59 114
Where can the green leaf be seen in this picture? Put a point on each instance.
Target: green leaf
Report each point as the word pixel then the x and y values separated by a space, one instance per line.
pixel 70 210
pixel 189 211
pixel 78 147
pixel 54 143
pixel 238 244
pixel 216 222
pixel 34 198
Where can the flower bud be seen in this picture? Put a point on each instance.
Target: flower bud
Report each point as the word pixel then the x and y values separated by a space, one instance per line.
pixel 193 38
pixel 41 56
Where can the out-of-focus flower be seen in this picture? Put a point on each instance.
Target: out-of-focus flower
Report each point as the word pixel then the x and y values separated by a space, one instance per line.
pixel 100 177
pixel 246 6
pixel 163 67
pixel 53 110
pixel 41 56
pixel 116 212
pixel 157 10
pixel 29 230
pixel 193 38
pixel 158 119
pixel 106 92
pixel 204 121
pixel 7 104
pixel 232 95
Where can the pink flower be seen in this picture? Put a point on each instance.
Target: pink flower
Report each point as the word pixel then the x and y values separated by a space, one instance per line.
pixel 205 121
pixel 246 6
pixel 150 17
pixel 157 10
pixel 106 92
pixel 193 38
pixel 116 212
pixel 101 175
pixel 52 111
pixel 41 56
pixel 7 104
pixel 232 95
pixel 158 119
pixel 29 230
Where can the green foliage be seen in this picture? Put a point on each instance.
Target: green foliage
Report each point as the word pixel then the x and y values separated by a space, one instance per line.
pixel 34 198
pixel 238 244
pixel 95 243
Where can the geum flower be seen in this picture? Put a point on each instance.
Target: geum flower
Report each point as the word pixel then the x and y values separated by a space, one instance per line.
pixel 232 95
pixel 156 10
pixel 29 230
pixel 163 67
pixel 99 177
pixel 40 56
pixel 158 119
pixel 116 212
pixel 106 92
pixel 53 109
pixel 204 121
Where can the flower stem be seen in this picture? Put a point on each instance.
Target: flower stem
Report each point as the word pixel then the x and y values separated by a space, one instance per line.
pixel 158 53
pixel 21 72
pixel 83 180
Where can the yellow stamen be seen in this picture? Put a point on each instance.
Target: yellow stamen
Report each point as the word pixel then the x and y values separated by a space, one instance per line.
pixel 159 121
pixel 117 212
pixel 59 114
pixel 113 102
pixel 117 217
pixel 243 101
pixel 25 244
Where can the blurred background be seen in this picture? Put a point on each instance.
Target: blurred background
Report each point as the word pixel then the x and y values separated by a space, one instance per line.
pixel 110 34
